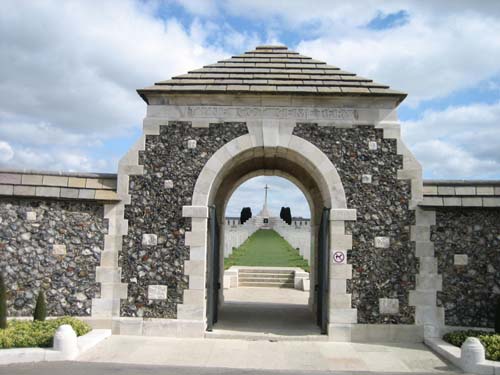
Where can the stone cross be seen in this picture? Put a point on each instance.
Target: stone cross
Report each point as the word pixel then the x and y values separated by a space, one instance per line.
pixel 266 188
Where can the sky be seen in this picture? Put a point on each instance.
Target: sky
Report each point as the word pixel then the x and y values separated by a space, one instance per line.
pixel 69 70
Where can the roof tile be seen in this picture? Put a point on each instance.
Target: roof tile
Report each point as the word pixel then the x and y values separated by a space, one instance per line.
pixel 272 69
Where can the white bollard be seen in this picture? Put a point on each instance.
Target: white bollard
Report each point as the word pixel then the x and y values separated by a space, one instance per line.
pixel 65 341
pixel 472 353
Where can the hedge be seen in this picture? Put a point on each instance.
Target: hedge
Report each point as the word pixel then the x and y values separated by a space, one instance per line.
pixel 490 341
pixel 26 333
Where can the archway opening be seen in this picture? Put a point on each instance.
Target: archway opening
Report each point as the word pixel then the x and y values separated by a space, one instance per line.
pixel 312 181
pixel 266 252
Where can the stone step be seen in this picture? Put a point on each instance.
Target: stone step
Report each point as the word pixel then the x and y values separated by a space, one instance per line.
pixel 268 281
pixel 266 284
pixel 258 336
pixel 264 270
pixel 272 277
pixel 267 276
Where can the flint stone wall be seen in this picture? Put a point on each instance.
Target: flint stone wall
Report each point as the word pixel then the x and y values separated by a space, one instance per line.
pixel 32 234
pixel 156 208
pixel 469 290
pixel 382 211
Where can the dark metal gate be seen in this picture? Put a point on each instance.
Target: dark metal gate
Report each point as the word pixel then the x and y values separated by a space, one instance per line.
pixel 322 267
pixel 213 270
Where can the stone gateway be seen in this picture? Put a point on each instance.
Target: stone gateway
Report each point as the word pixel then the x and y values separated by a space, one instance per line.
pixel 141 251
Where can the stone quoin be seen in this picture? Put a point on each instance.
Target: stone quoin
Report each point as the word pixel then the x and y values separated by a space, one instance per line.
pixel 134 251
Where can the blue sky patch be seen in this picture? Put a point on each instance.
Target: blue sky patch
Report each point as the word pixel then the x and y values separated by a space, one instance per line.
pixel 389 21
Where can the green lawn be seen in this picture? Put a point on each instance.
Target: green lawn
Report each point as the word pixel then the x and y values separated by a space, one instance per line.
pixel 266 248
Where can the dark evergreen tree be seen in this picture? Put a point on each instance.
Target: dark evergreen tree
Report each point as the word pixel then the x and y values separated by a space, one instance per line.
pixel 497 316
pixel 282 213
pixel 242 215
pixel 40 307
pixel 3 304
pixel 288 216
pixel 246 213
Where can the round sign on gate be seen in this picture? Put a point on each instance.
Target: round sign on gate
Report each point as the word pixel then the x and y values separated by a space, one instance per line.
pixel 339 257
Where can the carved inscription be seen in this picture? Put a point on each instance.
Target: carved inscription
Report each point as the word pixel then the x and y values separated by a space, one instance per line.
pixel 282 113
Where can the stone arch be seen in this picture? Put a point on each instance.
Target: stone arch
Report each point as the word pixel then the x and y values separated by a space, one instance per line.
pixel 237 151
pixel 262 149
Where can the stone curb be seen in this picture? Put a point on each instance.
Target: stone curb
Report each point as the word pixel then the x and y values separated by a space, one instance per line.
pixel 454 355
pixel 23 355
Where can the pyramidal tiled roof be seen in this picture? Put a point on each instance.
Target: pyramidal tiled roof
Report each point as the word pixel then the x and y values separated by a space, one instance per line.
pixel 272 70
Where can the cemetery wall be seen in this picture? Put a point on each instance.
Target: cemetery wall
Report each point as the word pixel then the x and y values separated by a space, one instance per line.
pixel 54 246
pixel 467 247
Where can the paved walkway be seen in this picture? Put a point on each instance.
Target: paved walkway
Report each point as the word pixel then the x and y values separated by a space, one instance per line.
pixel 282 355
pixel 267 295
pixel 277 311
pixel 250 313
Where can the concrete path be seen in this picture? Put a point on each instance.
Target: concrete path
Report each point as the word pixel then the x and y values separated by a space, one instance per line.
pixel 267 295
pixel 270 313
pixel 283 355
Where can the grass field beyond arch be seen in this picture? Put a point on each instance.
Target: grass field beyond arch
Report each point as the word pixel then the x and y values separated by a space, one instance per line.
pixel 266 248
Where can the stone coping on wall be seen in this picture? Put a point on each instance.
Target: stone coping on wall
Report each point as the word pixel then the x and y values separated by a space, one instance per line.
pixel 78 186
pixel 102 187
pixel 461 193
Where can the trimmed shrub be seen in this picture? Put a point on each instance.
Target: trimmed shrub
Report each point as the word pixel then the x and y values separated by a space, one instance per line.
pixel 491 345
pixel 25 334
pixel 287 216
pixel 490 341
pixel 3 303
pixel 40 307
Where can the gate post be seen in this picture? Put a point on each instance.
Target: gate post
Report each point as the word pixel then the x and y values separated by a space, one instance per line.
pixel 341 313
pixel 193 306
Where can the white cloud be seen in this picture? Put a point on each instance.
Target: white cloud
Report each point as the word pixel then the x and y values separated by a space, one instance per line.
pixel 424 58
pixel 61 159
pixel 6 152
pixel 445 46
pixel 458 142
pixel 70 71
